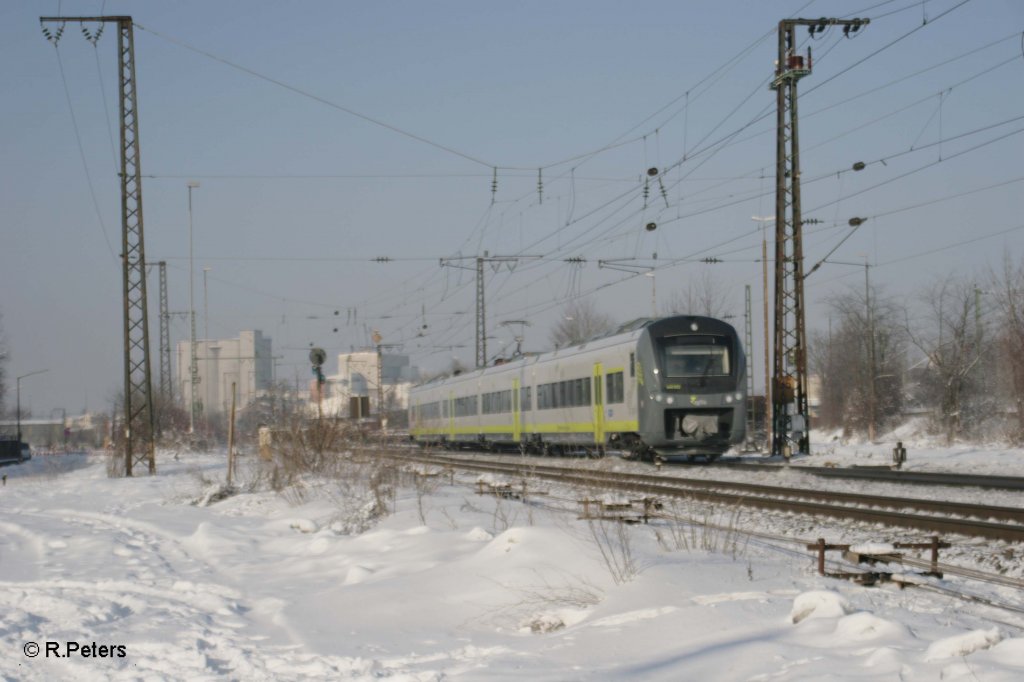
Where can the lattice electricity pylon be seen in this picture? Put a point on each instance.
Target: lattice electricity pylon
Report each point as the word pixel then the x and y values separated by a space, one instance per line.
pixel 790 412
pixel 138 404
pixel 481 310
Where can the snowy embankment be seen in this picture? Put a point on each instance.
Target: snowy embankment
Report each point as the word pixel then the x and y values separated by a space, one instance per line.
pixel 362 578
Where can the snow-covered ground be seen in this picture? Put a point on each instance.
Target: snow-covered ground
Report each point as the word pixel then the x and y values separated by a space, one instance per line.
pixel 314 583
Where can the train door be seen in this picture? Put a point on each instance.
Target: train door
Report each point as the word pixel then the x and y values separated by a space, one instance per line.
pixel 450 400
pixel 516 412
pixel 598 394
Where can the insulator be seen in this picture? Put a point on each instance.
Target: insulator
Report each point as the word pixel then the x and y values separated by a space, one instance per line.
pixel 652 171
pixel 664 194
pixel 540 186
pixel 647 192
pixel 651 227
pixel 53 37
pixel 494 185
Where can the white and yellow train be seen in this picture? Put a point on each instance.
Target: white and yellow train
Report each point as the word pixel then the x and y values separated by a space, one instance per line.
pixel 669 387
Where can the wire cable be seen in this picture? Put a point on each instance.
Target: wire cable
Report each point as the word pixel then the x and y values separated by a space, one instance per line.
pixel 81 153
pixel 317 98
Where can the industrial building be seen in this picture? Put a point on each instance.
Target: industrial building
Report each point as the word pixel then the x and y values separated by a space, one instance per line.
pixel 246 361
pixel 357 378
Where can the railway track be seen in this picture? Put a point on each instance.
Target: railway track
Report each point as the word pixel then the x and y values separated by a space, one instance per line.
pixel 975 520
pixel 885 473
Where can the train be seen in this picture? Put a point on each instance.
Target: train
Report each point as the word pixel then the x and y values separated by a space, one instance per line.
pixel 654 389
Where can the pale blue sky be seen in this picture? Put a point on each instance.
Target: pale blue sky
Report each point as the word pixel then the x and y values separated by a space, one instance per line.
pixel 297 196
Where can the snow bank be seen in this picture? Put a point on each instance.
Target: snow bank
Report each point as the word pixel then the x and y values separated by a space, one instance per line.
pixel 820 604
pixel 962 645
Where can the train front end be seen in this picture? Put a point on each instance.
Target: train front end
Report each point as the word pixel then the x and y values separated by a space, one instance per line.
pixel 691 389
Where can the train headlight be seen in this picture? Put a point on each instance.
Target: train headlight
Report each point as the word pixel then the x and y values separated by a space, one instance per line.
pixel 728 398
pixel 693 327
pixel 670 400
pixel 657 397
pixel 739 396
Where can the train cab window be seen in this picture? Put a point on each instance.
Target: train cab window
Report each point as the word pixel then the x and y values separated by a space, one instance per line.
pixel 632 364
pixel 695 356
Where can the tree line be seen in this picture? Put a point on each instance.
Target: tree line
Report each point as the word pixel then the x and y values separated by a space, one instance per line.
pixel 954 354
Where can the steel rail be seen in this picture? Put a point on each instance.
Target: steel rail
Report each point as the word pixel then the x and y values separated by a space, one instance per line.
pixel 787 500
pixel 886 474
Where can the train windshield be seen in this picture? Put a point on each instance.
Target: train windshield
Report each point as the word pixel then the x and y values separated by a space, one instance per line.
pixel 695 356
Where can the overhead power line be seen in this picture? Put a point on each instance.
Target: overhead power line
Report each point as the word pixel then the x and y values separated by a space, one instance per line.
pixel 317 98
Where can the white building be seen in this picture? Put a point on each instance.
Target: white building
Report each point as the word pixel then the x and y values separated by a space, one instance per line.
pixel 357 377
pixel 246 361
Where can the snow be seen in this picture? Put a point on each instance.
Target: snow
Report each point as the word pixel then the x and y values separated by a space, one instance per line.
pixel 200 581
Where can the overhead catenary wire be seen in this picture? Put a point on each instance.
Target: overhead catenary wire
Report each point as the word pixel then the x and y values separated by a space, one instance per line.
pixel 81 153
pixel 598 214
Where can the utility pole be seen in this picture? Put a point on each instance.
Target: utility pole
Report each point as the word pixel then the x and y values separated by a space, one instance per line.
pixel 138 398
pixel 872 371
pixel 206 307
pixel 748 340
pixel 766 407
pixel 790 413
pixel 193 366
pixel 481 313
pixel 166 382
pixel 377 339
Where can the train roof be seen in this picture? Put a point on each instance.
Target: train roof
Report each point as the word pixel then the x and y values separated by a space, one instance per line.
pixel 623 332
pixel 617 335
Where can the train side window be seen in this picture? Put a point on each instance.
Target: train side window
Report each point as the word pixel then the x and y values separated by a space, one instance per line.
pixel 616 387
pixel 632 364
pixel 524 399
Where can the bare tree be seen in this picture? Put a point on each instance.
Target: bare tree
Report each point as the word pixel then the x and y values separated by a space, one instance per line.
pixel 454 368
pixel 949 336
pixel 860 362
pixel 1008 289
pixel 580 321
pixel 703 294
